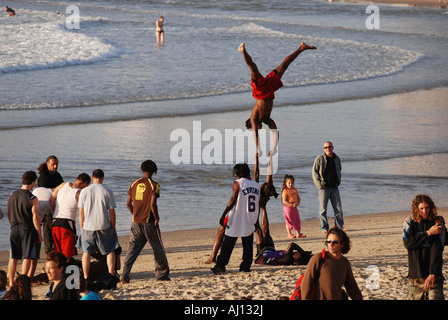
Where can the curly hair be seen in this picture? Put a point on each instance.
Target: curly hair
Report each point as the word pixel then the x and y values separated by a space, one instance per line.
pixel 420 198
pixel 241 170
pixel 343 237
pixel 149 166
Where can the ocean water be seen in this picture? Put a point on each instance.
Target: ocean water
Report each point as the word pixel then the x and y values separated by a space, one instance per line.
pixel 107 95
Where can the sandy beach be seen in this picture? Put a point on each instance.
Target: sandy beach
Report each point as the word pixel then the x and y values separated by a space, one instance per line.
pixel 383 103
pixel 376 241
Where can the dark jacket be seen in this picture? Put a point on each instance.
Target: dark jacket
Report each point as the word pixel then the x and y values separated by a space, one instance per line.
pixel 424 252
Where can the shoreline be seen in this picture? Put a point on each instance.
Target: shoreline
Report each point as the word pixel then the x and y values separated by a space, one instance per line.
pixel 442 4
pixel 376 241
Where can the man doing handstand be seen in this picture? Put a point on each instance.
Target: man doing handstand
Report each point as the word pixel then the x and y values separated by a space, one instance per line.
pixel 263 89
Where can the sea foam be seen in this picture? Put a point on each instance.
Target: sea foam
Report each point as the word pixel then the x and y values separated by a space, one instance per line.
pixel 31 44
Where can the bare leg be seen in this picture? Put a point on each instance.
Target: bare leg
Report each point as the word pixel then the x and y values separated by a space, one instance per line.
pixel 111 262
pixel 162 37
pixel 288 229
pixel 86 264
pixel 252 66
pixel 217 245
pixel 289 59
pixel 12 267
pixel 26 267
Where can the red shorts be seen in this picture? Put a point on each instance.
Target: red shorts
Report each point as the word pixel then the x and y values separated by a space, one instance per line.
pixel 265 87
pixel 64 241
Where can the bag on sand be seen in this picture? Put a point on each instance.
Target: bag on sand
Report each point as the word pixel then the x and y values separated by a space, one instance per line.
pixel 106 281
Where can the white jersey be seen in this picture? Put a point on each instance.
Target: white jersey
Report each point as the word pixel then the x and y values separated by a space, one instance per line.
pixel 66 204
pixel 244 215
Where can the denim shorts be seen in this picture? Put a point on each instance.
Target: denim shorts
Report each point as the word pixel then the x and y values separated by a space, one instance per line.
pixel 105 241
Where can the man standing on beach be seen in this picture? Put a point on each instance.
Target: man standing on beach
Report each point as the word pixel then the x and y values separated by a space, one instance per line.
pixel 243 210
pixel 263 89
pixel 97 222
pixel 424 236
pixel 49 177
pixel 327 178
pixel 64 200
pixel 23 215
pixel 142 203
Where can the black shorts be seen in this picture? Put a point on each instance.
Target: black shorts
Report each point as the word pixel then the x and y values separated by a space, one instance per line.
pixel 23 240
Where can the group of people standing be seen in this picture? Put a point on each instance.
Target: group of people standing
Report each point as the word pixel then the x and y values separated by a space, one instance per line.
pixel 48 214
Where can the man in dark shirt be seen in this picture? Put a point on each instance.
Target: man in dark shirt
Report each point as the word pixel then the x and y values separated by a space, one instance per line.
pixel 142 204
pixel 23 215
pixel 327 178
pixel 55 267
pixel 49 177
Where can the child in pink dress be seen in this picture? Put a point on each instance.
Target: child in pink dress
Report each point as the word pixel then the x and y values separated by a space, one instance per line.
pixel 290 200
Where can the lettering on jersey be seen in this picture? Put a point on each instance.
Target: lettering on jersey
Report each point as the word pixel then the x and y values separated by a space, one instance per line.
pixel 250 190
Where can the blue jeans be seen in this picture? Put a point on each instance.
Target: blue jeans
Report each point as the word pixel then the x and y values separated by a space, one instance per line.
pixel 331 194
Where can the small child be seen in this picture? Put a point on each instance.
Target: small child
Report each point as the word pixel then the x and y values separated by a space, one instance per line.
pixel 290 200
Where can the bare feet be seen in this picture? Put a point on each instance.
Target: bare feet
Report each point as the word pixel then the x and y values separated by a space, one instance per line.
pixel 242 47
pixel 304 46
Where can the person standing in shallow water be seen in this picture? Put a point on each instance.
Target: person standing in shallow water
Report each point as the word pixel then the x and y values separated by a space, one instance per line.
pixel 160 35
